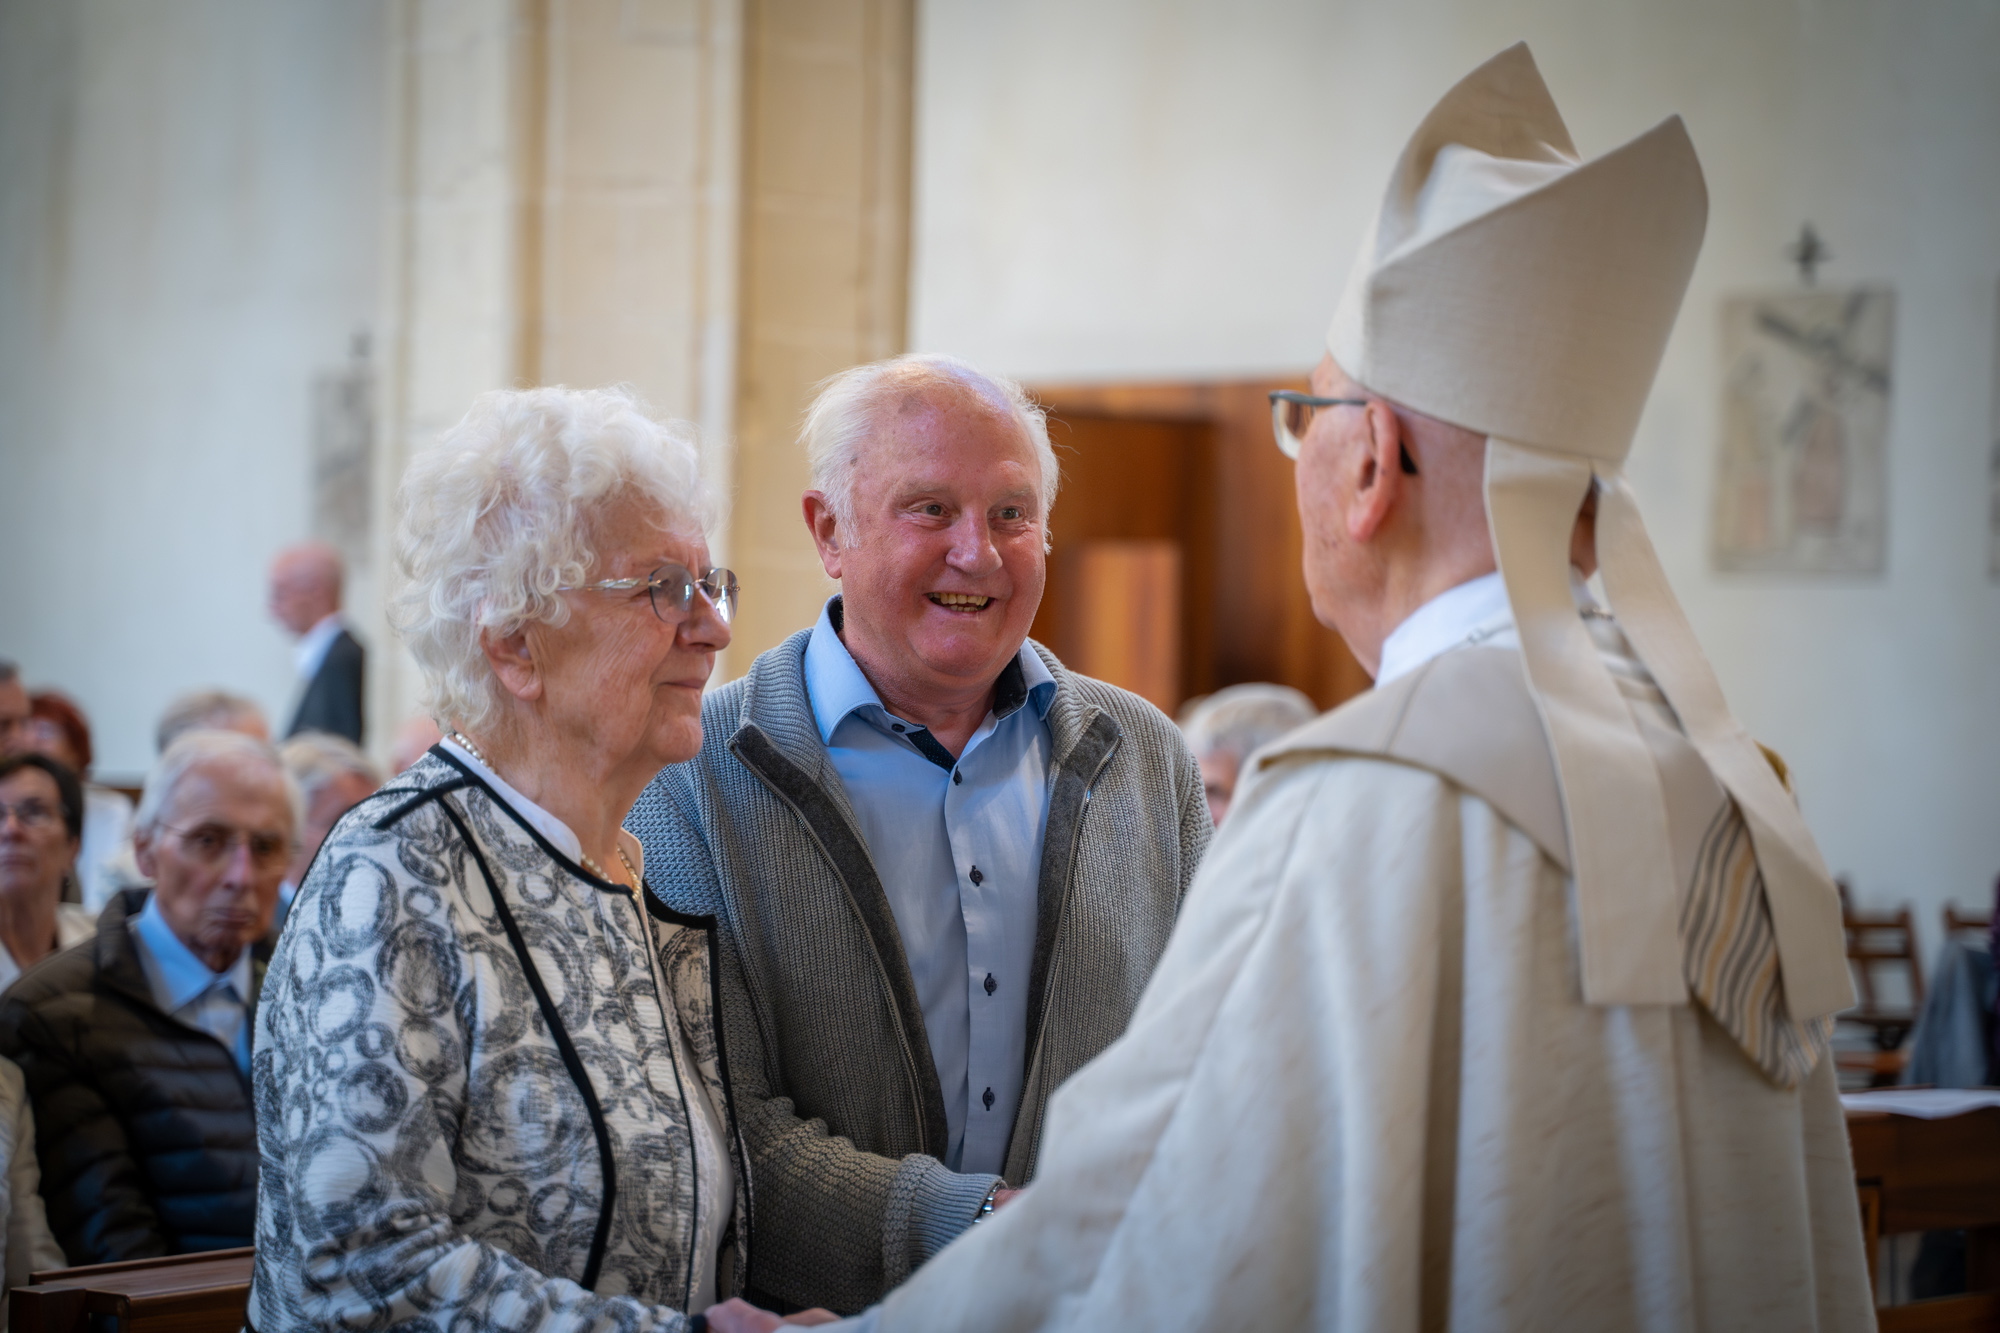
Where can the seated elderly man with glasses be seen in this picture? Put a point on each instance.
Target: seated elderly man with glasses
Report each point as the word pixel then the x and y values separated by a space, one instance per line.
pixel 136 1043
pixel 488 1078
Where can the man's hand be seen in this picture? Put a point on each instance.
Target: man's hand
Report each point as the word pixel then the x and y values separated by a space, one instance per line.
pixel 1002 1198
pixel 737 1315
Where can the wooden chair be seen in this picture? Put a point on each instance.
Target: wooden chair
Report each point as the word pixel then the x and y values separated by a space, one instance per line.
pixel 1878 941
pixel 1972 927
pixel 186 1293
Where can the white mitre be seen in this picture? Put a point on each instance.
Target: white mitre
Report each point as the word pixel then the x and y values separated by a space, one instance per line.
pixel 1510 288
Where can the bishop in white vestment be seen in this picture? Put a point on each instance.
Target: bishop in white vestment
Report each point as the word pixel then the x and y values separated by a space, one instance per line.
pixel 1502 1000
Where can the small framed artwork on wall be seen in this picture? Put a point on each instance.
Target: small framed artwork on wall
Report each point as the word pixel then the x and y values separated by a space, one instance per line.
pixel 1801 481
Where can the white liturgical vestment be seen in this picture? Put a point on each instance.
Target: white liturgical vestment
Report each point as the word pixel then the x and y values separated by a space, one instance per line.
pixel 1364 1092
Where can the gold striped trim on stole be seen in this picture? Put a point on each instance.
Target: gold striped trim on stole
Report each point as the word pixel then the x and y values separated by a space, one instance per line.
pixel 1730 954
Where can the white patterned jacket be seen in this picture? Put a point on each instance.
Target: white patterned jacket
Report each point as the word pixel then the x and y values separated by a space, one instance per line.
pixel 471 1111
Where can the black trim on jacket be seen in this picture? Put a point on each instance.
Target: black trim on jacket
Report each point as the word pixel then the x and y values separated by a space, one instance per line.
pixel 552 1017
pixel 607 1164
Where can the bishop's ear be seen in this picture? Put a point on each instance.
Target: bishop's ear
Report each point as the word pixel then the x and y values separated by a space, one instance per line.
pixel 513 661
pixel 1382 463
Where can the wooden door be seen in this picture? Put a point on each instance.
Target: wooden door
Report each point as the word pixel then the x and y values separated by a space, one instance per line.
pixel 1190 467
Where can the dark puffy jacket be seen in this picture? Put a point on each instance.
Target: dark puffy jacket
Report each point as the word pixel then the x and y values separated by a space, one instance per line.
pixel 144 1126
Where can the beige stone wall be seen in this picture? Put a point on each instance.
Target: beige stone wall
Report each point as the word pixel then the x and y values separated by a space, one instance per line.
pixel 826 191
pixel 190 248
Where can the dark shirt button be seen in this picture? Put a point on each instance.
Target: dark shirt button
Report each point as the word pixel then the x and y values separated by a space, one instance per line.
pixel 956 777
pixel 991 984
pixel 988 1099
pixel 977 878
pixel 895 726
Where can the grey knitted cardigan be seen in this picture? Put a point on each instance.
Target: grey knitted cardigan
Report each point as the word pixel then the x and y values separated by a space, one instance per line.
pixel 831 1071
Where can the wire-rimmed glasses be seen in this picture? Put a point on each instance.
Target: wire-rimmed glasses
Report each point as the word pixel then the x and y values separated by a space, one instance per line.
pixel 672 587
pixel 32 813
pixel 1292 413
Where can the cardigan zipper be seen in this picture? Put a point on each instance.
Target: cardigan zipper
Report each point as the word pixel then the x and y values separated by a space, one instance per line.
pixel 1055 965
pixel 881 970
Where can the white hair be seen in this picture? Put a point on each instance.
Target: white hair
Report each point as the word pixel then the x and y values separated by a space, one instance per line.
pixel 315 759
pixel 844 414
pixel 197 749
pixel 206 710
pixel 496 516
pixel 1243 718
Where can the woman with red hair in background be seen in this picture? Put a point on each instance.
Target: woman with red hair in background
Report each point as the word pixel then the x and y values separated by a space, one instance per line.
pixel 57 728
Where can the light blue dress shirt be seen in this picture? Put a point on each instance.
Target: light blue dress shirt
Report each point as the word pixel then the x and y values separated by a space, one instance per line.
pixel 217 1003
pixel 958 848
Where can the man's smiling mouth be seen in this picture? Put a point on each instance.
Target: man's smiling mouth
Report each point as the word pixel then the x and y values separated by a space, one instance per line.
pixel 959 601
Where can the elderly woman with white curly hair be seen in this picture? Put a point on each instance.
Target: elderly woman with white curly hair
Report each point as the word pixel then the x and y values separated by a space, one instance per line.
pixel 490 1091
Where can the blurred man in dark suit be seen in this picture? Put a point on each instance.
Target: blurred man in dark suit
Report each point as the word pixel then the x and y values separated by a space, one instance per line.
pixel 305 599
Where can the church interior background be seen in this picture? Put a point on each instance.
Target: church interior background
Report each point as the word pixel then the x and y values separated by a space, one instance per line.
pixel 252 255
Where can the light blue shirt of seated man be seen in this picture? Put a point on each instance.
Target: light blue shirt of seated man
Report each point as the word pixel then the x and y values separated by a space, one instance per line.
pixel 184 988
pixel 958 848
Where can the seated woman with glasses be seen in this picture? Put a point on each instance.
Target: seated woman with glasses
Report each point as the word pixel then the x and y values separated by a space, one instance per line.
pixel 489 1084
pixel 136 1044
pixel 41 822
pixel 43 808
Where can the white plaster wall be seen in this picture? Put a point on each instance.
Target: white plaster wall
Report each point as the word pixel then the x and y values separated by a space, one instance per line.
pixel 190 207
pixel 1159 189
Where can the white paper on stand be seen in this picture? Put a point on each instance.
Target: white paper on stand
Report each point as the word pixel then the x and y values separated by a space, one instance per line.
pixel 1922 1103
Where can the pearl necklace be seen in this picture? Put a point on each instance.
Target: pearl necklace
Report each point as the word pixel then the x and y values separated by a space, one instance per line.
pixel 589 862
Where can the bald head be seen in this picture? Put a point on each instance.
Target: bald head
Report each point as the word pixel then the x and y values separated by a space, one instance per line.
pixel 305 585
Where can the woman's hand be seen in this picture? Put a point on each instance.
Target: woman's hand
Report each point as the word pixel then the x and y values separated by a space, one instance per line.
pixel 737 1315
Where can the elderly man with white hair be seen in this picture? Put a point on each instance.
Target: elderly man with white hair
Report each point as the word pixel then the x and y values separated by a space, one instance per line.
pixel 1225 728
pixel 334 776
pixel 488 1078
pixel 136 1043
pixel 945 864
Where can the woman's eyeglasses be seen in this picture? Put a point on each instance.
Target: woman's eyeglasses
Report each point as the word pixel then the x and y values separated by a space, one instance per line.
pixel 672 588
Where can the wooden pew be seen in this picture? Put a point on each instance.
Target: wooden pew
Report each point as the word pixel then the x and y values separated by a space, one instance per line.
pixel 1933 1175
pixel 186 1293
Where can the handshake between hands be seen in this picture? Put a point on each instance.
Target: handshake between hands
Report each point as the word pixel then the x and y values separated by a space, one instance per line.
pixel 737 1315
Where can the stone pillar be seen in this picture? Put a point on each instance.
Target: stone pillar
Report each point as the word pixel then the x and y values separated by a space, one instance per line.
pixel 638 223
pixel 455 323
pixel 564 211
pixel 825 265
